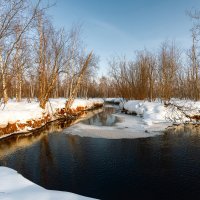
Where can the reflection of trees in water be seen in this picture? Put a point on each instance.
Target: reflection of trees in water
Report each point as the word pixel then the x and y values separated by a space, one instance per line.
pixel 63 160
pixel 14 142
pixel 76 149
pixel 186 130
pixel 46 159
pixel 104 118
pixel 164 154
pixel 153 154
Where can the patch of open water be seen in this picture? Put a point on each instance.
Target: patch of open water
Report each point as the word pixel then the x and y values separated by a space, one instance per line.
pixel 161 167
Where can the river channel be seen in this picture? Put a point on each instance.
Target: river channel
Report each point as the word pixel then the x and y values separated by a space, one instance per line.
pixel 166 166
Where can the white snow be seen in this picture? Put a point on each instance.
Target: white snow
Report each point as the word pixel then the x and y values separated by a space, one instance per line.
pixel 23 111
pixel 152 112
pixel 114 100
pixel 14 186
pixel 128 127
pixel 156 113
pixel 88 104
pixel 151 119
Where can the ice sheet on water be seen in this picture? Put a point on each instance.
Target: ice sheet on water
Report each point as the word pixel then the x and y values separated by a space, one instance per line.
pixel 128 127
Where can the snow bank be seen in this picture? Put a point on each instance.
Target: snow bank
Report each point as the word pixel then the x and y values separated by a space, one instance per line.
pixel 152 112
pixel 86 104
pixel 151 119
pixel 156 112
pixel 21 112
pixel 114 100
pixel 13 186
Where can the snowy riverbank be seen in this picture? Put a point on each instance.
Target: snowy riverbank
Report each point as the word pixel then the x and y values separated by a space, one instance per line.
pixel 14 186
pixel 152 113
pixel 142 119
pixel 24 116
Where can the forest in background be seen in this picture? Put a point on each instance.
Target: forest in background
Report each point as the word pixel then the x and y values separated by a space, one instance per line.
pixel 40 61
pixel 170 72
pixel 37 59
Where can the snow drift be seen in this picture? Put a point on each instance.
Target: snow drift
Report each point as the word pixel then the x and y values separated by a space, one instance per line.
pixel 24 116
pixel 13 186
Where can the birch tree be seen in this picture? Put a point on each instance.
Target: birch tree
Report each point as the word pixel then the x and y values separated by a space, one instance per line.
pixel 50 58
pixel 11 11
pixel 84 66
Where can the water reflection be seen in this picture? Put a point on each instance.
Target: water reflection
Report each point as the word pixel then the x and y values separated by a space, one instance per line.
pixel 162 167
pixel 12 144
pixel 187 130
pixel 19 141
pixel 104 118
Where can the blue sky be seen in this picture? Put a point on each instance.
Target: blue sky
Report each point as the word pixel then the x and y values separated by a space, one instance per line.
pixel 120 27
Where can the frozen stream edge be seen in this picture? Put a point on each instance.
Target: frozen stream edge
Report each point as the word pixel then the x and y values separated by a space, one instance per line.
pixel 129 127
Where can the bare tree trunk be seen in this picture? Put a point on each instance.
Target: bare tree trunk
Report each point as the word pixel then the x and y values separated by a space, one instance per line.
pixel 20 88
pixel 78 82
pixel 5 94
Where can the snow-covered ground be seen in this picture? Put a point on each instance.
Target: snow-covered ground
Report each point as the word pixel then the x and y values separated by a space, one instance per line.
pixel 14 186
pixel 21 112
pixel 113 100
pixel 156 112
pixel 150 119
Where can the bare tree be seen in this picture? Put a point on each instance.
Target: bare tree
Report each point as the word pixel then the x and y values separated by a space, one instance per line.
pixel 50 54
pixel 11 12
pixel 168 66
pixel 84 66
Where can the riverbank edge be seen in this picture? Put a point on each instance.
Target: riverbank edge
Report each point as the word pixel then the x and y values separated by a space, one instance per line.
pixel 35 125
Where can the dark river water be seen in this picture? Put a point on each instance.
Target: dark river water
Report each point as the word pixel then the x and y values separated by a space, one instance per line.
pixel 161 167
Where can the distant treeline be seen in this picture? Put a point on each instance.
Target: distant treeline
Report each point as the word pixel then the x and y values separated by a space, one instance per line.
pixel 162 75
pixel 40 61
